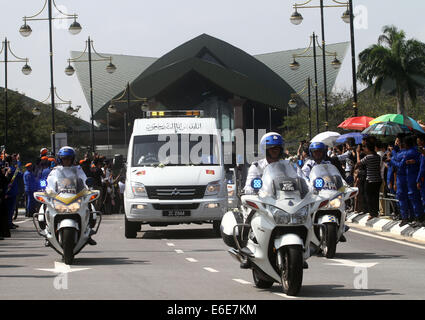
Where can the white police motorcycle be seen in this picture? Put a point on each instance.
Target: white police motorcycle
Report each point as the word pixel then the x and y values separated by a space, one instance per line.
pixel 275 228
pixel 330 219
pixel 67 218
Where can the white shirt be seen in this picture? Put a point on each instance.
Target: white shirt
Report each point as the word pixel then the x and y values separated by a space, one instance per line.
pixel 51 179
pixel 255 171
pixel 309 164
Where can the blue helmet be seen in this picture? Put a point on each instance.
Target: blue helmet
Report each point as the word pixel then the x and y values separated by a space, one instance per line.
pixel 271 140
pixel 317 146
pixel 66 152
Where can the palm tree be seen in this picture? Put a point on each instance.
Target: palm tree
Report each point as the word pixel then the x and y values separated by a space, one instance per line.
pixel 394 61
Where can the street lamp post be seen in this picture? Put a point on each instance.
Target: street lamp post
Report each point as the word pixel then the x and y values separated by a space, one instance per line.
pixel 69 110
pixel 347 17
pixel 26 70
pixel 25 31
pixel 126 97
pixel 110 68
pixel 336 64
pixel 293 102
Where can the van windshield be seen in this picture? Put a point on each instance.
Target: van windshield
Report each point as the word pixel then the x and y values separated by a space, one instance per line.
pixel 176 150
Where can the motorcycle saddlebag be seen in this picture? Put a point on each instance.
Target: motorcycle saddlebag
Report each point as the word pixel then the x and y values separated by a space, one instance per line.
pixel 228 223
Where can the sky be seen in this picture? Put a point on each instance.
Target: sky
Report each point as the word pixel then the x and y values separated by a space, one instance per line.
pixel 153 28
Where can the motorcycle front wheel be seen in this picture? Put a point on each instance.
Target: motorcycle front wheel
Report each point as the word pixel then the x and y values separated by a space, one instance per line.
pixel 68 244
pixel 329 243
pixel 291 269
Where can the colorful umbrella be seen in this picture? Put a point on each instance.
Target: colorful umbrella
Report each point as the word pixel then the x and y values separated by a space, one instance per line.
pixel 356 123
pixel 358 137
pixel 327 138
pixel 399 119
pixel 386 129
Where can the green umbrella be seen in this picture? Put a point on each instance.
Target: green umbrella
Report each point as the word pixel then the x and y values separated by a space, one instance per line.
pixel 399 119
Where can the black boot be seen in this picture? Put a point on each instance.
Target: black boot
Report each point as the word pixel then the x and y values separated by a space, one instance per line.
pixel 245 264
pixel 91 242
pixel 403 223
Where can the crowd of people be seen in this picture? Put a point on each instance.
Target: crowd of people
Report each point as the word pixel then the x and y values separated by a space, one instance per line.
pixel 19 181
pixel 376 168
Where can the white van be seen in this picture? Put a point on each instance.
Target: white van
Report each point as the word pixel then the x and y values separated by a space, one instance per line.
pixel 175 172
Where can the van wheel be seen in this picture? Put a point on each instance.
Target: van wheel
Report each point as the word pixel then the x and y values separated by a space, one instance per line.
pixel 131 229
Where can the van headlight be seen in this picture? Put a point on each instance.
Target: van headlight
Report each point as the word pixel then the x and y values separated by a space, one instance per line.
pixel 138 189
pixel 63 208
pixel 213 188
pixel 282 217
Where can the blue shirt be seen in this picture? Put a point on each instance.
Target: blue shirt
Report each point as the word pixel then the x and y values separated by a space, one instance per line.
pixel 31 182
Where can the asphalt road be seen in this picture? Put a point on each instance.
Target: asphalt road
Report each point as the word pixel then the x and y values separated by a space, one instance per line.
pixel 189 262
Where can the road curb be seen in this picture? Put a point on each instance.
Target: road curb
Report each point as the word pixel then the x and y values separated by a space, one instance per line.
pixel 386 225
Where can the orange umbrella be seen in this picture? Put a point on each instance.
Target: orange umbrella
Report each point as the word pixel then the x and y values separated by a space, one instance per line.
pixel 356 123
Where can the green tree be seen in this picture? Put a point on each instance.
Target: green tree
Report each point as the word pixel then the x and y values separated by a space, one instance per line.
pixel 395 63
pixel 27 133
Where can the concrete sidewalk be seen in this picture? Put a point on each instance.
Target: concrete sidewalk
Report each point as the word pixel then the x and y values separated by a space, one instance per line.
pixel 385 224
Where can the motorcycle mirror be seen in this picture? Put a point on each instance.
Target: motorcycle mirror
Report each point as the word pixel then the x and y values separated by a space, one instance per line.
pixel 319 184
pixel 257 184
pixel 90 182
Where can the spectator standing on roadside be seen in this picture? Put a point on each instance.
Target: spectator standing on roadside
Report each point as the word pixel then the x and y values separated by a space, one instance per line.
pixel 30 182
pixel 121 186
pixel 12 189
pixel 97 174
pixel 421 176
pixel 372 162
pixel 412 161
pixel 5 177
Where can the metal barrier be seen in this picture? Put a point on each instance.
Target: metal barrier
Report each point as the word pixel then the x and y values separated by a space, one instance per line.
pixel 390 204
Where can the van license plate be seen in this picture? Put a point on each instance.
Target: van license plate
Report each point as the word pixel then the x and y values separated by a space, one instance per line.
pixel 176 213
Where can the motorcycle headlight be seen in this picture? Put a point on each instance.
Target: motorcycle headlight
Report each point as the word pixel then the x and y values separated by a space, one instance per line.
pixel 138 189
pixel 282 217
pixel 335 203
pixel 213 188
pixel 63 208
pixel 301 216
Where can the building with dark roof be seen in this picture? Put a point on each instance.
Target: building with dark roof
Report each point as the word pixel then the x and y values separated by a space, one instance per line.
pixel 205 73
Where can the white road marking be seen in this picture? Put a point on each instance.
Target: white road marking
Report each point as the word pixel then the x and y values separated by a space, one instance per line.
pixel 21 222
pixel 242 281
pixel 63 268
pixel 171 244
pixel 349 263
pixel 387 239
pixel 284 296
pixel 211 270
pixel 191 260
pixel 179 251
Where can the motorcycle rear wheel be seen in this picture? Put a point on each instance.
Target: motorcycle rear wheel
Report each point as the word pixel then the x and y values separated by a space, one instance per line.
pixel 68 244
pixel 292 269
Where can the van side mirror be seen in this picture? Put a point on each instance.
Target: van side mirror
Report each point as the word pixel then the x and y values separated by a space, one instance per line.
pixel 90 182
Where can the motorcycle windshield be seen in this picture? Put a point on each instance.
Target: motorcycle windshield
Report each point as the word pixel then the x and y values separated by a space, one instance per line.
pixel 66 181
pixel 330 174
pixel 281 180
